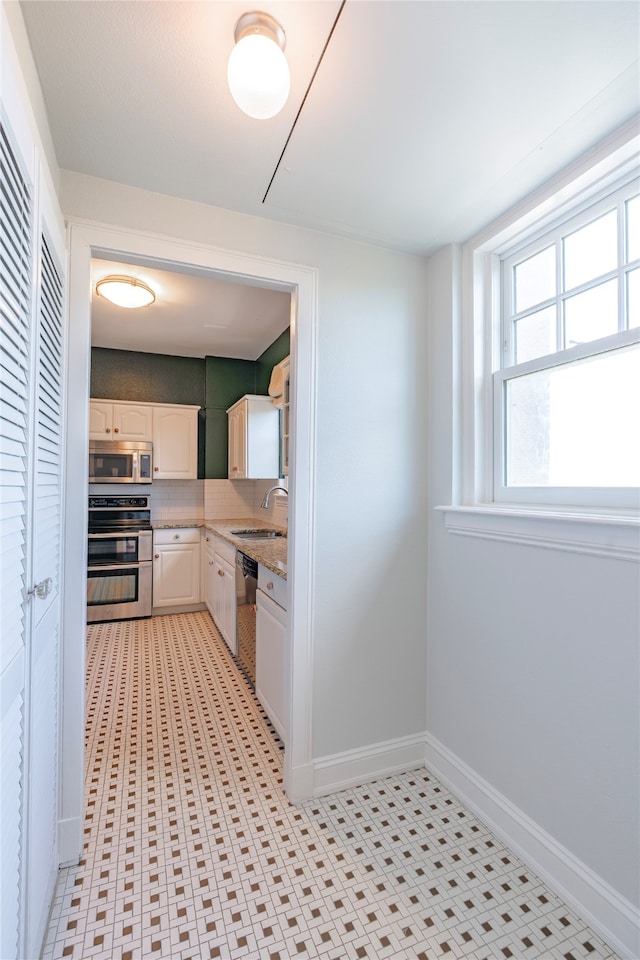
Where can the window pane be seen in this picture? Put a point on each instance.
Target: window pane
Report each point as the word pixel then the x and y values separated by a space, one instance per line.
pixel 534 280
pixel 536 335
pixel 576 425
pixel 633 229
pixel 592 314
pixel 633 298
pixel 591 251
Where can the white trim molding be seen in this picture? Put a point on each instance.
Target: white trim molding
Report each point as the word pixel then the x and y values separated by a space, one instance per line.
pixel 609 914
pixel 354 767
pixel 600 535
pixel 87 239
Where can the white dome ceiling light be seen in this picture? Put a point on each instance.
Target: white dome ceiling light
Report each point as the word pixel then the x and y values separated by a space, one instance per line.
pixel 125 292
pixel 258 72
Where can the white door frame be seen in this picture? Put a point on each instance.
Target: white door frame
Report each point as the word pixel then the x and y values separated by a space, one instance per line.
pixel 86 240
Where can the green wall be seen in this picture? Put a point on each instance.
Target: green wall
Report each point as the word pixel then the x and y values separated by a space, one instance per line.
pixel 214 384
pixel 265 363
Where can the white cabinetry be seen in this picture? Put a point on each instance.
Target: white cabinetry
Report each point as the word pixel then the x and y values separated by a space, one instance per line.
pixel 208 573
pixel 222 590
pixel 175 442
pixel 272 657
pixel 109 420
pixel 176 567
pixel 285 422
pixel 172 428
pixel 253 439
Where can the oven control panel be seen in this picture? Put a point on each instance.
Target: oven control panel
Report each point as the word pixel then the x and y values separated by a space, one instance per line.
pixel 113 503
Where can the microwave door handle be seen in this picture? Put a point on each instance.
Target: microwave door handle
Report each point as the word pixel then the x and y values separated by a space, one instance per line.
pixel 135 466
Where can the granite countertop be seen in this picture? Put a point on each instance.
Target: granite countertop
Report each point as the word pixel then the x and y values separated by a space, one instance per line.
pixel 270 553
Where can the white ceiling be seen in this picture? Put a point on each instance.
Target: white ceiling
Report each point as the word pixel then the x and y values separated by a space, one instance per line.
pixel 194 315
pixel 425 121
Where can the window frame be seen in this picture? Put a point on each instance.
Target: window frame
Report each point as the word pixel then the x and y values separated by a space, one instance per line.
pixel 573 197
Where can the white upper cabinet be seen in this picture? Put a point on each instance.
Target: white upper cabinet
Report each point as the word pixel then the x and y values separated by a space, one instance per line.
pixel 172 428
pixel 253 439
pixel 109 420
pixel 175 442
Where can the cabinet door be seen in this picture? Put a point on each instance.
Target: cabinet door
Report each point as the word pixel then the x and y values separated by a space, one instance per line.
pixel 175 443
pixel 219 597
pixel 132 422
pixel 100 420
pixel 272 662
pixel 285 418
pixel 229 612
pixel 176 574
pixel 208 573
pixel 238 443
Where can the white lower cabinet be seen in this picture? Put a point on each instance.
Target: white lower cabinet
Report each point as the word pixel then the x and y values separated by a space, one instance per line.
pixel 208 573
pixel 220 587
pixel 176 567
pixel 272 650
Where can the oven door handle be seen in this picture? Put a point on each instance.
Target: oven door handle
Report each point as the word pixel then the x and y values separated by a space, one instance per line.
pixel 116 535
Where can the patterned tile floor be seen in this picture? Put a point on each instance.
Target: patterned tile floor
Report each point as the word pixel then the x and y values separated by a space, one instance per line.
pixel 192 850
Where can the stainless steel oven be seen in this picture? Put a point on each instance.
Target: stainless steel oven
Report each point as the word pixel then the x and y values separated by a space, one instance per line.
pixel 119 559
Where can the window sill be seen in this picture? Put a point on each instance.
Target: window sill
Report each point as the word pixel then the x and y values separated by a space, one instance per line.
pixel 616 536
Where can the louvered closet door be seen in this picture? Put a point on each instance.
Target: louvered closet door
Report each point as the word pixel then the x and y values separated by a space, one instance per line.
pixel 15 310
pixel 45 643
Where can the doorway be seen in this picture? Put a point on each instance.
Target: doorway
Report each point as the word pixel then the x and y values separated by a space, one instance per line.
pixel 90 241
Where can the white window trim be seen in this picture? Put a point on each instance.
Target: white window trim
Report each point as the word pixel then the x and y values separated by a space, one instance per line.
pixel 577 528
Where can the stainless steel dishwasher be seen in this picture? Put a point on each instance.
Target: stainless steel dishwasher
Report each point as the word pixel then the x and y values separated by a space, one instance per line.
pixel 246 584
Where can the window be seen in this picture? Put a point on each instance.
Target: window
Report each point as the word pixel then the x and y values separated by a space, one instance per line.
pixel 554 319
pixel 567 394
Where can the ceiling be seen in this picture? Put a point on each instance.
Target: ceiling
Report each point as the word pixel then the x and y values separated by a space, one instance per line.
pixel 425 121
pixel 194 315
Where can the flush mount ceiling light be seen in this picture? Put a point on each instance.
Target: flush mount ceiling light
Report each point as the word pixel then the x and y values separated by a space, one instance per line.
pixel 258 72
pixel 125 291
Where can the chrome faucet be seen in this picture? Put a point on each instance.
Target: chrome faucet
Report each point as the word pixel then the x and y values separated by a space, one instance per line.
pixel 265 502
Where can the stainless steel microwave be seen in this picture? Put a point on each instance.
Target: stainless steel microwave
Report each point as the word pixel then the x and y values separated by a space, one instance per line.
pixel 120 462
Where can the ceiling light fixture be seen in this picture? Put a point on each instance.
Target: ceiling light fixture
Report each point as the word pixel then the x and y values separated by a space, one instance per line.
pixel 258 72
pixel 125 291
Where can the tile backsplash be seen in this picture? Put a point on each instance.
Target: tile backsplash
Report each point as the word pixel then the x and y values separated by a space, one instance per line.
pixel 206 499
pixel 177 500
pixel 226 499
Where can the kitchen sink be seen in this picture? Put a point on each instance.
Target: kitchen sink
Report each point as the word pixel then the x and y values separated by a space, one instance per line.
pixel 257 534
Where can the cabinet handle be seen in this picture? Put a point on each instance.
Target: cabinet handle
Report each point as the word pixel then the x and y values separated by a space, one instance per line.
pixel 108 430
pixel 116 429
pixel 221 573
pixel 210 563
pixel 270 585
pixel 156 556
pixel 156 469
pixel 176 536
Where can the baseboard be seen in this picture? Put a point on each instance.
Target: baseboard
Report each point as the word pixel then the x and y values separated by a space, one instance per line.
pixel 298 783
pixel 69 841
pixel 609 914
pixel 349 769
pixel 185 608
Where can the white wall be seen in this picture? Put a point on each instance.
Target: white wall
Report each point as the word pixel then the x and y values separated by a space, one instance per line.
pixel 533 656
pixel 370 509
